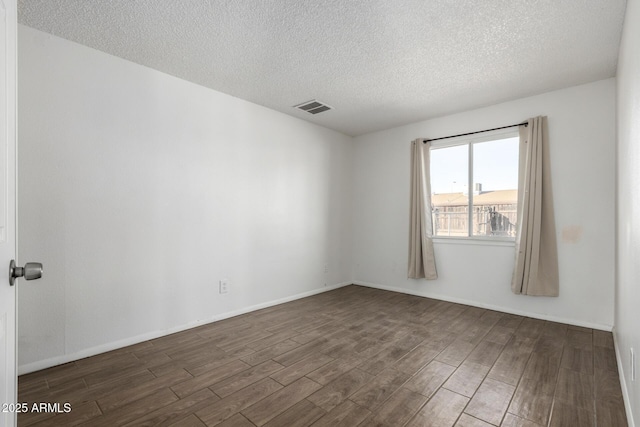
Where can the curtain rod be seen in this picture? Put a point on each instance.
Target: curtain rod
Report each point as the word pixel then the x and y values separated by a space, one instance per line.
pixel 479 131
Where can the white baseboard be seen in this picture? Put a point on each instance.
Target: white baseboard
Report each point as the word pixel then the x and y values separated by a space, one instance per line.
pixel 623 382
pixel 487 306
pixel 66 358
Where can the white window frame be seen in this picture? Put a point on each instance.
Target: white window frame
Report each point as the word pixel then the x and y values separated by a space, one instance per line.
pixel 470 140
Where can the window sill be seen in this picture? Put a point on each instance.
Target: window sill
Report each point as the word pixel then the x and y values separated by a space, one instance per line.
pixel 477 241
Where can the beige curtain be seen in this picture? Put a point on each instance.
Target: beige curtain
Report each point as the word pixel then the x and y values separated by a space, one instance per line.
pixel 536 267
pixel 422 262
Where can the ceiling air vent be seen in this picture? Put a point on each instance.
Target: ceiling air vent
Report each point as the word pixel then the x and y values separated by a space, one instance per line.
pixel 313 107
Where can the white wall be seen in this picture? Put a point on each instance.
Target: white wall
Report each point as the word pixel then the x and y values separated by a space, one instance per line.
pixel 582 137
pixel 627 302
pixel 139 191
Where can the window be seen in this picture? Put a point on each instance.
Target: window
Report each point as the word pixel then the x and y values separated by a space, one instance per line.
pixel 474 186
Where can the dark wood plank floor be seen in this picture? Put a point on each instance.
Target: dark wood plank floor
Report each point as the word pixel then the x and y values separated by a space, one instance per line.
pixel 351 357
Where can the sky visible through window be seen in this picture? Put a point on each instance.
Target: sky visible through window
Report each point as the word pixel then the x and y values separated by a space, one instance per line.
pixel 495 166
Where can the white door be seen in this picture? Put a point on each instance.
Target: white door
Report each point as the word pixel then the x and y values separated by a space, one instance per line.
pixel 8 392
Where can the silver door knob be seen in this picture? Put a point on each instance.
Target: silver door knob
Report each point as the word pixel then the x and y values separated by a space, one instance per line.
pixel 30 271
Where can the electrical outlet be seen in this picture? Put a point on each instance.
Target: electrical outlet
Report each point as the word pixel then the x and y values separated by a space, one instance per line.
pixel 326 271
pixel 632 361
pixel 224 286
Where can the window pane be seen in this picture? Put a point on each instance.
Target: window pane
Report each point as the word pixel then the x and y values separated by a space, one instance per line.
pixel 449 192
pixel 495 185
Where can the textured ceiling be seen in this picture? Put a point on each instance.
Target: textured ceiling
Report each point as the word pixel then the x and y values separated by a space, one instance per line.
pixel 379 63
